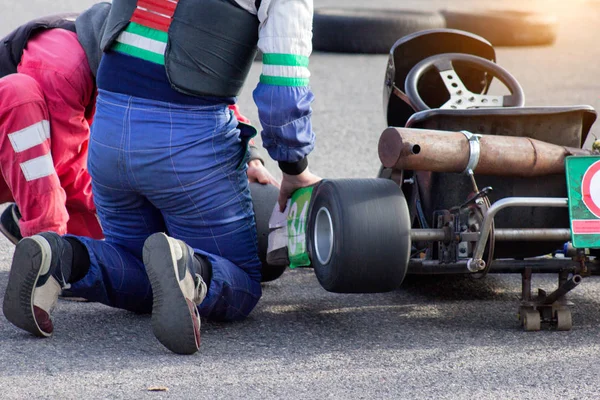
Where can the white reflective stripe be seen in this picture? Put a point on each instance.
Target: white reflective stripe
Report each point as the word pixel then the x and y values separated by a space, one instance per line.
pixel 142 42
pixel 38 167
pixel 153 12
pixel 31 136
pixel 286 71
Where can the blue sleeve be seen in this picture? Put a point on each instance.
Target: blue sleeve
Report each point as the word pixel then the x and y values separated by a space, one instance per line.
pixel 285 115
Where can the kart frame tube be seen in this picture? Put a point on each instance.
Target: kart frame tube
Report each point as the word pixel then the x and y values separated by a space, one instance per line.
pixel 538 265
pixel 419 266
pixel 477 263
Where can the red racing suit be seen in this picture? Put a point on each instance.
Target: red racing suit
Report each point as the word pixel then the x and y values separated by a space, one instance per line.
pixel 46 109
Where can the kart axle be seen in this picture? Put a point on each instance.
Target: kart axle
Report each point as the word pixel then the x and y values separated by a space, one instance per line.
pixel 502 235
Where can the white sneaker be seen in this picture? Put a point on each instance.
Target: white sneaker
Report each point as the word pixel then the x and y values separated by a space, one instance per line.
pixel 35 281
pixel 177 291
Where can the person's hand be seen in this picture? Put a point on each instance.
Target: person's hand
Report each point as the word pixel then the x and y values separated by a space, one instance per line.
pixel 258 173
pixel 291 183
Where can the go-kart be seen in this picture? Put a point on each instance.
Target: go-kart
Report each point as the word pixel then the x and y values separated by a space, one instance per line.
pixel 471 183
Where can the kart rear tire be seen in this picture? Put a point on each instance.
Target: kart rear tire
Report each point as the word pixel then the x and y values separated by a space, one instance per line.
pixel 506 27
pixel 264 198
pixel 359 235
pixel 369 31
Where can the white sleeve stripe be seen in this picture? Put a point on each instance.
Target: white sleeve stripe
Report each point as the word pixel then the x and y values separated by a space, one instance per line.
pixel 39 167
pixel 286 71
pixel 29 137
pixel 142 42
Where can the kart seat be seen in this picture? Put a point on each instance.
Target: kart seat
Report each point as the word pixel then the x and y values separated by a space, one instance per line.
pixel 566 126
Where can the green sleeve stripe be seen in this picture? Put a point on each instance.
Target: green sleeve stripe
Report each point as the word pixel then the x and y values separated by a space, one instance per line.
pixel 147 32
pixel 291 60
pixel 139 53
pixel 283 81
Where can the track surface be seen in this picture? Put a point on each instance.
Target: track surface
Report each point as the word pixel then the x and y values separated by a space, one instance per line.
pixel 434 338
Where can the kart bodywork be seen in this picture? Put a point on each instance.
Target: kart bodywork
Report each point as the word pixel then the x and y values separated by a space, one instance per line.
pixel 522 219
pixel 365 235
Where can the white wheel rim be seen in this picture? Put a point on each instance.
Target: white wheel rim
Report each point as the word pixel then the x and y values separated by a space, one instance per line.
pixel 323 236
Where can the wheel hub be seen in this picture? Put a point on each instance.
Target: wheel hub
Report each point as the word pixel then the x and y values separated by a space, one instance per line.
pixel 323 235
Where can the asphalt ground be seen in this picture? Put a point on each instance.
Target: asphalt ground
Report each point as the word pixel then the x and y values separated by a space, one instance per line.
pixel 445 338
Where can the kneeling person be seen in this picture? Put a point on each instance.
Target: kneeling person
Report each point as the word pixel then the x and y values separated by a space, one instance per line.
pixel 166 155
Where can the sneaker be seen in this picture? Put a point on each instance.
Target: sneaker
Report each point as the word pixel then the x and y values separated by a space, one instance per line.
pixel 177 291
pixel 35 281
pixel 9 223
pixel 277 247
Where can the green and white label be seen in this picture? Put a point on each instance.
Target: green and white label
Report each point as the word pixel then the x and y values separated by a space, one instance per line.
pixel 583 183
pixel 297 221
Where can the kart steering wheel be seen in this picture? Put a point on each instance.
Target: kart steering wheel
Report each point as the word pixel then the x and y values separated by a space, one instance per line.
pixel 460 97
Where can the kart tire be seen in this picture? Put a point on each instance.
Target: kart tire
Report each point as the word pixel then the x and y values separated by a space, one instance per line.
pixel 506 27
pixel 264 198
pixel 359 235
pixel 369 31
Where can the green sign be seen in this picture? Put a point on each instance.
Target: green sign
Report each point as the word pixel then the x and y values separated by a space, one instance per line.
pixel 297 221
pixel 583 183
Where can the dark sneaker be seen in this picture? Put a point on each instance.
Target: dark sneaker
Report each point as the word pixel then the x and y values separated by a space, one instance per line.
pixel 35 281
pixel 9 223
pixel 177 290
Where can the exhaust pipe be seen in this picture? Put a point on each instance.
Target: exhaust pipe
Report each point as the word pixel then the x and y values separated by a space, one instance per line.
pixel 440 151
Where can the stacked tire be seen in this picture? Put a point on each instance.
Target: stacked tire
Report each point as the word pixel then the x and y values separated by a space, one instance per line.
pixel 506 28
pixel 367 31
pixel 374 31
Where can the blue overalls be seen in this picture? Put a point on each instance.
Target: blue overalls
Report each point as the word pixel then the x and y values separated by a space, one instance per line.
pixel 176 166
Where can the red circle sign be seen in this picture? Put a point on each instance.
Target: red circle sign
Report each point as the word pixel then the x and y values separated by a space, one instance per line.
pixel 590 188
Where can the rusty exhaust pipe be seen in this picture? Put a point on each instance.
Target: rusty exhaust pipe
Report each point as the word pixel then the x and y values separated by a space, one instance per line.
pixel 440 151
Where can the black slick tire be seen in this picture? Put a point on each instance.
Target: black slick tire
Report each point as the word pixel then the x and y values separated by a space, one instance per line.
pixel 359 235
pixel 506 27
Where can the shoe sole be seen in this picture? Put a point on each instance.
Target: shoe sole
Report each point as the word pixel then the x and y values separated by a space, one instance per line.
pixel 8 235
pixel 173 321
pixel 24 273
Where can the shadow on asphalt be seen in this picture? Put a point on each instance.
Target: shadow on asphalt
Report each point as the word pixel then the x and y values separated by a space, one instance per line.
pixel 295 317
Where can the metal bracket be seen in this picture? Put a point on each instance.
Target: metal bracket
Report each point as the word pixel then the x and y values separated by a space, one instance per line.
pixel 402 96
pixel 486 226
pixel 474 151
pixel 482 193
